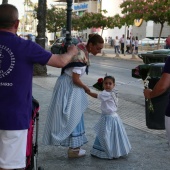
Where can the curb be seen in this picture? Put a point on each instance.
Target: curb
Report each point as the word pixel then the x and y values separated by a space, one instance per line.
pixel 120 57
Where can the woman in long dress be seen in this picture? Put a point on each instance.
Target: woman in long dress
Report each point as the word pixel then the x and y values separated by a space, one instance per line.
pixel 65 122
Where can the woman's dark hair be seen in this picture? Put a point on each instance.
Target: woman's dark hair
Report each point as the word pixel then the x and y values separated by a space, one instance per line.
pixel 8 15
pixel 94 39
pixel 109 77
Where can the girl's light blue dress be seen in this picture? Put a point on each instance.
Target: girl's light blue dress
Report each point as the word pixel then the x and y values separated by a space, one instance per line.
pixel 111 138
pixel 65 122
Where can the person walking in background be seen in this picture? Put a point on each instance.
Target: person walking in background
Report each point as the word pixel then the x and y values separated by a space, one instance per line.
pixel 162 86
pixel 17 57
pixel 117 45
pixel 79 39
pixel 122 43
pixel 128 45
pixel 111 140
pixel 112 42
pixel 105 39
pixel 136 45
pixel 65 121
pixel 167 41
pixel 132 45
pixel 109 40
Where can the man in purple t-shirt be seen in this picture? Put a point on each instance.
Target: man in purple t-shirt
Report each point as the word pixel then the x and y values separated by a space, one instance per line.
pixel 17 57
pixel 162 86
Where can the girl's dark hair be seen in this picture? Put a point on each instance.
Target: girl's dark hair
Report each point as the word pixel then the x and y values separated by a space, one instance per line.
pixel 110 77
pixel 94 39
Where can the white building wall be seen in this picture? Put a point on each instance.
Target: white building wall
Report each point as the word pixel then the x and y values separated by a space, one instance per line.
pixel 149 29
pixel 113 7
pixel 92 6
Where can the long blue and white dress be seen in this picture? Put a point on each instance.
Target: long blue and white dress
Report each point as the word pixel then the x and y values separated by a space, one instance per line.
pixel 111 140
pixel 65 122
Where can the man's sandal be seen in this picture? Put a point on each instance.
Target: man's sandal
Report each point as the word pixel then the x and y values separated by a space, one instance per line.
pixel 76 153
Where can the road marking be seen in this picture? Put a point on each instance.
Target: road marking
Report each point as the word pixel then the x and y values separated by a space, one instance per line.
pixel 110 66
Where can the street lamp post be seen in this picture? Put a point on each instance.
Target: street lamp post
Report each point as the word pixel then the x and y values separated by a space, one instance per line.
pixel 68 28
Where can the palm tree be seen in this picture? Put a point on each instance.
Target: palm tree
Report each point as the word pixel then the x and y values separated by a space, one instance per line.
pixel 40 39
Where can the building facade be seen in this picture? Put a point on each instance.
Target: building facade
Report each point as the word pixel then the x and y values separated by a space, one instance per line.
pixel 150 30
pixel 142 30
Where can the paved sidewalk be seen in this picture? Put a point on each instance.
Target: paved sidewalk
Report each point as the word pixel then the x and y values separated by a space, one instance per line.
pixel 150 149
pixel 109 52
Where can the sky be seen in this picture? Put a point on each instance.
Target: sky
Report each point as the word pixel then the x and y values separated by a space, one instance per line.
pixel 20 5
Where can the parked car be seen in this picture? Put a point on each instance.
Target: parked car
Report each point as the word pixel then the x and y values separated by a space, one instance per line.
pixel 58 46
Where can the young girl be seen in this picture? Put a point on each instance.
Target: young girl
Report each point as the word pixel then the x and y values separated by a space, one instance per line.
pixel 111 140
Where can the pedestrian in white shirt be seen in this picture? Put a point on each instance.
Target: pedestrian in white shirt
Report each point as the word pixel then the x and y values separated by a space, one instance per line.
pixel 117 45
pixel 128 45
pixel 122 42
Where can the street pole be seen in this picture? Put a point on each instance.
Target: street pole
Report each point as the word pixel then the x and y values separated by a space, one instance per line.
pixel 68 28
pixel 125 40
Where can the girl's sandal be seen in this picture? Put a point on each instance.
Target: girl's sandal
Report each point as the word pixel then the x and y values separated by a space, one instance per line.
pixel 76 153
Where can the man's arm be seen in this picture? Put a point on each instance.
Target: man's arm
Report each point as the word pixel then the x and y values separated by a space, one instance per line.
pixel 161 86
pixel 60 60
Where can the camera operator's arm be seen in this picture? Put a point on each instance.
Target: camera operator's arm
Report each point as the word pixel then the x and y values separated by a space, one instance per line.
pixel 161 86
pixel 60 60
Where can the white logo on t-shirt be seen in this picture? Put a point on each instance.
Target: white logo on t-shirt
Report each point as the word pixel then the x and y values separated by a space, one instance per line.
pixel 6 55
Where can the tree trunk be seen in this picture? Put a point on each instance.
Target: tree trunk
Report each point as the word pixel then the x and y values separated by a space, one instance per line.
pixel 41 38
pixel 55 32
pixel 4 1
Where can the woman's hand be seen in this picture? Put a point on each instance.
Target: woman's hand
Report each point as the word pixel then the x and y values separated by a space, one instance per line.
pixel 87 90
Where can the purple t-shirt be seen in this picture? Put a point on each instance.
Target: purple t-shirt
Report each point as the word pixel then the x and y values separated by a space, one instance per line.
pixel 17 57
pixel 167 70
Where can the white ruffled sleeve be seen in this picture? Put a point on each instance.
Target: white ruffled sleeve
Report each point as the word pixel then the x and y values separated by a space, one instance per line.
pixel 104 95
pixel 79 70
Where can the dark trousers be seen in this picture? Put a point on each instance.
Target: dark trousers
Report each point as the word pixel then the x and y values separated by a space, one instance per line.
pixel 167 46
pixel 122 48
pixel 127 49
